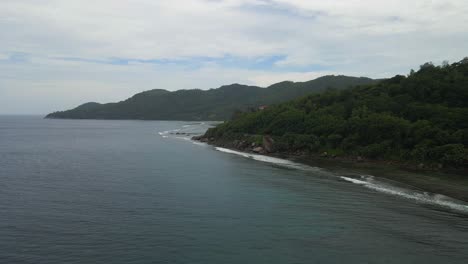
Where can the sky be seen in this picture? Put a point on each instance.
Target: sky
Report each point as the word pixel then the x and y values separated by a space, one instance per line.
pixel 57 54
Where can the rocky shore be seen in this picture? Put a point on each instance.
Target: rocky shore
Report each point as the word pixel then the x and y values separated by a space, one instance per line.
pixel 265 147
pixel 433 178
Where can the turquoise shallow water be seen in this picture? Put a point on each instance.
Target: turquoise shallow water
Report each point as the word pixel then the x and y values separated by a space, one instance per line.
pixel 84 191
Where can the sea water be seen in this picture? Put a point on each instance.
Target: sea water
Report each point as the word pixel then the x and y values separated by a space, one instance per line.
pixel 93 191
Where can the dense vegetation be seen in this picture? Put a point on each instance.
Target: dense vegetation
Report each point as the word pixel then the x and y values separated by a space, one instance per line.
pixel 422 117
pixel 214 104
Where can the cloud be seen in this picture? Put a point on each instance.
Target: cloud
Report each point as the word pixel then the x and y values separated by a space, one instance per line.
pixel 116 48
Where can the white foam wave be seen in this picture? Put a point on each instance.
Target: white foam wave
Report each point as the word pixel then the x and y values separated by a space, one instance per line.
pixel 367 181
pixel 167 132
pixel 423 197
pixel 268 159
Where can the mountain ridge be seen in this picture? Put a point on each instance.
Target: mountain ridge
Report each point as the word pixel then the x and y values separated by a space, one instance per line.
pixel 213 104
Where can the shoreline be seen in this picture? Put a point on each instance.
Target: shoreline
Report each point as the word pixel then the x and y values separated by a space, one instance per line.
pixel 452 183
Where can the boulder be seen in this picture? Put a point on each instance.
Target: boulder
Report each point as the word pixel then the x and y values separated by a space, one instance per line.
pixel 268 144
pixel 197 137
pixel 257 150
pixel 243 144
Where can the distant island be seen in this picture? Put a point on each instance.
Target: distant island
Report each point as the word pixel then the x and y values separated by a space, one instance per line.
pixel 419 119
pixel 215 104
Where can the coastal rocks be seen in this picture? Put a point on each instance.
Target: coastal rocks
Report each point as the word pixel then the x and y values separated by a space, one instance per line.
pixel 240 144
pixel 202 139
pixel 324 154
pixel 197 138
pixel 268 144
pixel 258 150
pixel 243 145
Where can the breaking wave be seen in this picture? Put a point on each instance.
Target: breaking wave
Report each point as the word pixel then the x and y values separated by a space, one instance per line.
pixel 167 132
pixel 268 159
pixel 366 181
pixel 419 196
pixel 186 131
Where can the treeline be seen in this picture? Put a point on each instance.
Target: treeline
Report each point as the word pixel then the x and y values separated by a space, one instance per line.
pixel 422 117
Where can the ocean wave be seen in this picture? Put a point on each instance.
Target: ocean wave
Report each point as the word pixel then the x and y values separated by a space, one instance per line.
pixel 185 131
pixel 167 132
pixel 419 196
pixel 268 159
pixel 367 181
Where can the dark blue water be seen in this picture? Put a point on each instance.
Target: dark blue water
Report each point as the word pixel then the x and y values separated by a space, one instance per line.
pixel 118 192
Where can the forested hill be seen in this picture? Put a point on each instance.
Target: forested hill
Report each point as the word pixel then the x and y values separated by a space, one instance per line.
pixel 214 104
pixel 422 117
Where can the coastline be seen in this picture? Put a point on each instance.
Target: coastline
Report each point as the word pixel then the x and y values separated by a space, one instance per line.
pixel 452 183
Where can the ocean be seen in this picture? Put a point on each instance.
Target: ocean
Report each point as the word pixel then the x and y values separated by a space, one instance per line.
pixel 95 191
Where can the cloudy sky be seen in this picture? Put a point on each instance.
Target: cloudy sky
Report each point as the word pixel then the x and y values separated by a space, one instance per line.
pixel 56 54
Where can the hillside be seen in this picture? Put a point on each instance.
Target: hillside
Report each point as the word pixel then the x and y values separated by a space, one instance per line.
pixel 214 104
pixel 421 118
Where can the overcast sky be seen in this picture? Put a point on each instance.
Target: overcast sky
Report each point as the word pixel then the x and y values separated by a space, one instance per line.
pixel 57 54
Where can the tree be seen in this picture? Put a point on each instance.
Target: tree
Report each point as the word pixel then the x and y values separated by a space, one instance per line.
pixel 421 118
pixel 427 65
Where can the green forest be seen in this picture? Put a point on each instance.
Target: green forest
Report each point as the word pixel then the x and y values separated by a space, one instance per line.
pixel 421 117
